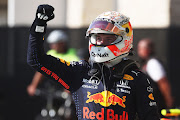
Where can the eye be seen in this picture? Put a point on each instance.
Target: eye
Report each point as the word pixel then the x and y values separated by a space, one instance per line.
pixel 98 38
pixel 111 39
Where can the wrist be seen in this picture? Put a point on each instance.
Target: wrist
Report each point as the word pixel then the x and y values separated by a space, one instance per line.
pixel 38 27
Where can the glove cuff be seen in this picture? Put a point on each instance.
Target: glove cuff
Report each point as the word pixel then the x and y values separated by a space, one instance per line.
pixel 38 28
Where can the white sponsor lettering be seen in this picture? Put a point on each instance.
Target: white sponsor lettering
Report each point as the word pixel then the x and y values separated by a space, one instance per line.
pixel 152 103
pixel 90 86
pixel 136 73
pixel 39 29
pixel 123 84
pixel 148 81
pixel 149 89
pixel 123 91
pixel 91 81
pixel 99 54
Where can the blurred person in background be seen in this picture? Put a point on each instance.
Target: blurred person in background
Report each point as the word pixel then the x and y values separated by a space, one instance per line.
pixel 58 44
pixel 151 66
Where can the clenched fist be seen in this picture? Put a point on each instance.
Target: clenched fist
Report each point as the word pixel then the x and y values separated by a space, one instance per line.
pixel 44 14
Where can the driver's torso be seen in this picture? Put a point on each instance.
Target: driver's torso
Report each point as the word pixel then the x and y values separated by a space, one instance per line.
pixel 97 97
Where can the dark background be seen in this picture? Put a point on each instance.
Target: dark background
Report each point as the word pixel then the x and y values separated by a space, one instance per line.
pixel 16 75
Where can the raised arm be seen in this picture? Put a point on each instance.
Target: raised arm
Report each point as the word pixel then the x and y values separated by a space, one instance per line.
pixel 49 66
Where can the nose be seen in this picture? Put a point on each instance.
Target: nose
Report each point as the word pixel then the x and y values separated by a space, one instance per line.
pixel 101 42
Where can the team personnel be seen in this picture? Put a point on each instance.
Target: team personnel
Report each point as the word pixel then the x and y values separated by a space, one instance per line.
pixel 109 86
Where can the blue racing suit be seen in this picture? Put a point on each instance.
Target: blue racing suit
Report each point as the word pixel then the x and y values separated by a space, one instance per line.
pixel 100 93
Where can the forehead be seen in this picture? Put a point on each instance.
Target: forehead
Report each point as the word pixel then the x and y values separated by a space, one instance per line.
pixel 143 44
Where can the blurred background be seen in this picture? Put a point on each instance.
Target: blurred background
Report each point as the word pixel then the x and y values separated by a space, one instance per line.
pixel 157 19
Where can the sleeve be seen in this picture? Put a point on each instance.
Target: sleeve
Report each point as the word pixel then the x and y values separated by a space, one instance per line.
pixel 155 69
pixel 145 101
pixel 57 69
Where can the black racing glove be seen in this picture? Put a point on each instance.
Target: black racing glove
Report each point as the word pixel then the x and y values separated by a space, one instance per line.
pixel 44 14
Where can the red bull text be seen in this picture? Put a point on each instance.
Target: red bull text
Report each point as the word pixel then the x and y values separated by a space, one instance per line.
pixel 87 114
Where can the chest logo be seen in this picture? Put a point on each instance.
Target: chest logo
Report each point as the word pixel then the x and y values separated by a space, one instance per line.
pixel 106 98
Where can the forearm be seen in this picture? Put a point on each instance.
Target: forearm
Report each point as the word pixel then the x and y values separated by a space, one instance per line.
pixel 45 64
pixel 38 77
pixel 35 51
pixel 165 89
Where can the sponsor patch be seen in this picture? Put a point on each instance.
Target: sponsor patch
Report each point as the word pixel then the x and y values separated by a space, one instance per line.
pixel 123 84
pixel 106 98
pixel 110 114
pixel 128 77
pixel 151 96
pixel 149 89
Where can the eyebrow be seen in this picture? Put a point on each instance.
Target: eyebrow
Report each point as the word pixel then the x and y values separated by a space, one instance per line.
pixel 109 37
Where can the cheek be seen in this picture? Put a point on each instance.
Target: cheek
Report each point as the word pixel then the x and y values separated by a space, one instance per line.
pixel 51 46
pixel 142 52
pixel 54 46
pixel 98 42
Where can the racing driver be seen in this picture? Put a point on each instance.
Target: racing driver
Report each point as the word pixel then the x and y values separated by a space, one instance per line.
pixel 107 87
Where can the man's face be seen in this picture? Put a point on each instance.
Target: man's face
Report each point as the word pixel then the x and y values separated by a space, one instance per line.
pixel 143 50
pixel 60 47
pixel 105 39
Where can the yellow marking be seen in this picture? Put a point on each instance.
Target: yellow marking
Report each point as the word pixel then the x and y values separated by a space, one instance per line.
pixel 62 60
pixel 67 63
pixel 127 26
pixel 128 77
pixel 151 96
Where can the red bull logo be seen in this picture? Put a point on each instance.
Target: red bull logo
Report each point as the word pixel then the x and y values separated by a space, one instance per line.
pixel 106 98
pixel 87 114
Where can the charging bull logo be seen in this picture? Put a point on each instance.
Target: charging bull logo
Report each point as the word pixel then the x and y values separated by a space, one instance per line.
pixel 106 98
